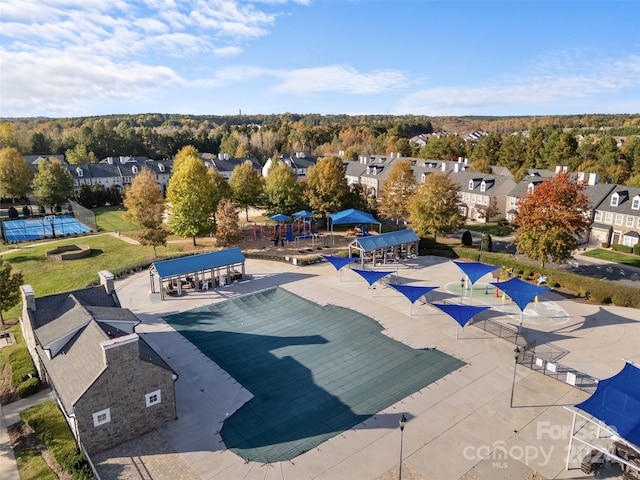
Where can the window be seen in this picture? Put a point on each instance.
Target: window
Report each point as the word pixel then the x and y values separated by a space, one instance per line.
pixel 636 203
pixel 134 169
pixel 530 188
pixel 630 220
pixel 161 167
pixel 638 226
pixel 79 171
pixel 598 217
pixel 152 398
pixel 423 177
pixel 470 184
pixel 102 417
pixel 473 198
pixel 483 186
pixel 614 199
pixel 512 201
pixel 608 217
pixel 618 219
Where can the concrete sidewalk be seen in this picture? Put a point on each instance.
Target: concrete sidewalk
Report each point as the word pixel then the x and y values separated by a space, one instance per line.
pixel 9 415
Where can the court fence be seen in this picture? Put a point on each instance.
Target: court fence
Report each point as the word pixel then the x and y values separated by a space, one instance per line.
pixel 83 215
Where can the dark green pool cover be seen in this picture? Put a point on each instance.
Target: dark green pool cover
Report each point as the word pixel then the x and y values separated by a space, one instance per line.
pixel 315 371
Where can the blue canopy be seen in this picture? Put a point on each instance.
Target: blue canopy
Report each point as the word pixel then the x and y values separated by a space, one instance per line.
pixel 196 263
pixel 371 276
pixel 475 270
pixel 616 402
pixel 412 292
pixel 460 313
pixel 303 214
pixel 522 292
pixel 352 216
pixel 280 217
pixel 339 262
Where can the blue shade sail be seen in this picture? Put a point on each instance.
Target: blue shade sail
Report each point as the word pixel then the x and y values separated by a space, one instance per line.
pixel 280 217
pixel 352 216
pixel 412 292
pixel 522 292
pixel 616 402
pixel 371 276
pixel 339 262
pixel 461 313
pixel 475 270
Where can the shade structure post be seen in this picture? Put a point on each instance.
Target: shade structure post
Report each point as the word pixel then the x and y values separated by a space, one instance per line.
pixel 573 429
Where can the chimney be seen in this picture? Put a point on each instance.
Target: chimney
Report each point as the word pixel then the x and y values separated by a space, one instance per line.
pixel 444 166
pixel 594 179
pixel 106 280
pixel 28 297
pixel 456 167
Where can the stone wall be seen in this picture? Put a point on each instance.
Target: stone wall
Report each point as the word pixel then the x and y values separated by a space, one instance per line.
pixel 122 388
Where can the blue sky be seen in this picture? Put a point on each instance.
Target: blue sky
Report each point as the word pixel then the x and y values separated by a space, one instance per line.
pixel 65 58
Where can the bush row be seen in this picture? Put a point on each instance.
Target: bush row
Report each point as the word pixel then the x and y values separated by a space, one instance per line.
pixel 24 376
pixel 49 423
pixel 594 290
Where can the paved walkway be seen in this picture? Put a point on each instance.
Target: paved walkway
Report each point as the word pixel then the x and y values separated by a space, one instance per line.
pixel 460 427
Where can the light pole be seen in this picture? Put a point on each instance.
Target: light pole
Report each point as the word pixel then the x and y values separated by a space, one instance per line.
pixel 516 354
pixel 402 422
pixel 461 289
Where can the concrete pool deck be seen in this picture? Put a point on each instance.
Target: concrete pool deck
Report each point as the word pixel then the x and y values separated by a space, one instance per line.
pixel 460 427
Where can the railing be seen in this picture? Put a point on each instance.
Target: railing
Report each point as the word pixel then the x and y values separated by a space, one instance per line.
pixel 542 361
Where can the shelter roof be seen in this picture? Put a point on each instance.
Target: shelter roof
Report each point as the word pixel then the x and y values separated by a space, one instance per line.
pixel 196 263
pixel 616 402
pixel 374 242
pixel 352 216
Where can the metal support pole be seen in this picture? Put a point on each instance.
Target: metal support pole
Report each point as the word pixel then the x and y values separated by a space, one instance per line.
pixel 513 383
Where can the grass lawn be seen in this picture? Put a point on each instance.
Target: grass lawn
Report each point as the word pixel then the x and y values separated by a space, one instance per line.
pixel 617 257
pixel 109 219
pixel 49 276
pixel 492 228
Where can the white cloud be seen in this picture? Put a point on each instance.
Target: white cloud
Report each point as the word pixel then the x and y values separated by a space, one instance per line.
pixel 339 79
pixel 550 86
pixel 227 51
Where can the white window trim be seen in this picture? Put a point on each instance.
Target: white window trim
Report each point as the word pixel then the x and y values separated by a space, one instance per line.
pixel 149 398
pixel 608 218
pixel 630 221
pixel 598 217
pixel 615 198
pixel 619 218
pixel 636 203
pixel 107 417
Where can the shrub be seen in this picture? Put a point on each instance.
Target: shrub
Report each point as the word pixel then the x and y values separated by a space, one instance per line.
pixel 29 387
pixel 13 213
pixel 605 244
pixel 467 239
pixel 636 249
pixel 618 247
pixel 22 367
pixel 50 425
pixel 486 244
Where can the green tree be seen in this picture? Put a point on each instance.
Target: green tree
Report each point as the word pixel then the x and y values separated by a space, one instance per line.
pixel 282 193
pixel 533 157
pixel 433 209
pixel 228 232
pixel 487 148
pixel 561 148
pixel 186 152
pixel 85 196
pixel 9 288
pixel 40 144
pixel 80 154
pixel 145 206
pixel 221 190
pixel 189 196
pixel 246 187
pixel 512 152
pixel 550 220
pixel 397 190
pixel 631 152
pixel 480 166
pixel 326 187
pixel 52 184
pixel 15 174
pixel 607 151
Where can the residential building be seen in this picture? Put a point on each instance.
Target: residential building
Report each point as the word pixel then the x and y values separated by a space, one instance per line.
pixel 478 191
pixel 617 217
pixel 108 381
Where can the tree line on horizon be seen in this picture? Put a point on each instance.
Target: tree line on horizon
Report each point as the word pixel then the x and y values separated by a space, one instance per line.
pixel 582 142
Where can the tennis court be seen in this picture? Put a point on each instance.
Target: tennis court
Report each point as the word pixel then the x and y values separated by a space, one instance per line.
pixel 15 231
pixel 315 371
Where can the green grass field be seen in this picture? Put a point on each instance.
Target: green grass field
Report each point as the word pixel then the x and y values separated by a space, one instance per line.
pixel 109 219
pixel 617 257
pixel 491 228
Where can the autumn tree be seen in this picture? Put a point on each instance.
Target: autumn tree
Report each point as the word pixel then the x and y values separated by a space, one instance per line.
pixel 282 192
pixel 487 148
pixel 228 232
pixel 550 220
pixel 15 174
pixel 326 187
pixel 397 190
pixel 433 209
pixel 480 165
pixel 145 206
pixel 9 288
pixel 246 187
pixel 52 184
pixel 189 196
